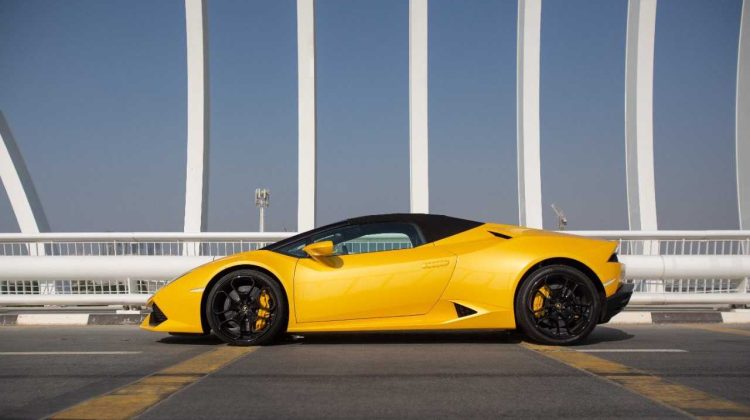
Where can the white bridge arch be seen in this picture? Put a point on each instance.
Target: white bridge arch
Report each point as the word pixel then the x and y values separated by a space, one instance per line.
pixel 639 62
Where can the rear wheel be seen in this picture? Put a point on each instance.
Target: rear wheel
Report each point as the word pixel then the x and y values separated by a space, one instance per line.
pixel 557 305
pixel 246 307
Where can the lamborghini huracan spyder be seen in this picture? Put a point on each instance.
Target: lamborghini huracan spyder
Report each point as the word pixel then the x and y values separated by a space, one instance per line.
pixel 400 272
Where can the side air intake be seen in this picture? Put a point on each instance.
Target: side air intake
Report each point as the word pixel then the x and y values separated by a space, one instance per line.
pixel 157 316
pixel 499 235
pixel 463 311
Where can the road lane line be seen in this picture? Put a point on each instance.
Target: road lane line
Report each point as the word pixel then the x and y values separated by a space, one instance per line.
pixel 135 398
pixel 718 328
pixel 680 398
pixel 64 353
pixel 631 350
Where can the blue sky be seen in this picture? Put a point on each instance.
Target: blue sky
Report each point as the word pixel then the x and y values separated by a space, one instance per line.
pixel 94 91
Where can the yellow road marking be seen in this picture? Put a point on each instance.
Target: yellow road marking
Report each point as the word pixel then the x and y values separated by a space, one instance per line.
pixel 135 398
pixel 718 328
pixel 680 398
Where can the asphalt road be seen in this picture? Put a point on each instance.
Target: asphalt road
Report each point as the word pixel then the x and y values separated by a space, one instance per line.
pixel 621 371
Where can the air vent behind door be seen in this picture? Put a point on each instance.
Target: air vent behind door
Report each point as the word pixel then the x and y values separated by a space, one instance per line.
pixel 499 235
pixel 463 311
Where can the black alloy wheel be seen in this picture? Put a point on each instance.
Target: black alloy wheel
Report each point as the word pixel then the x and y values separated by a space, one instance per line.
pixel 557 305
pixel 246 307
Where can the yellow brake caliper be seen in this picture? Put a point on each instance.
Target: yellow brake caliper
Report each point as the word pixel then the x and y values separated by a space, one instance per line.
pixel 264 311
pixel 539 298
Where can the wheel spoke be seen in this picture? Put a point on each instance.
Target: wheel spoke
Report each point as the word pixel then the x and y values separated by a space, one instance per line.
pixel 573 291
pixel 545 282
pixel 234 296
pixel 237 292
pixel 234 331
pixel 254 294
pixel 547 317
pixel 564 293
pixel 247 325
pixel 221 292
pixel 567 327
pixel 227 320
pixel 224 311
pixel 236 288
pixel 226 306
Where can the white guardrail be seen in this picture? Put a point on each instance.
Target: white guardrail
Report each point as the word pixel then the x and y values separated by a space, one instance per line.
pixel 709 267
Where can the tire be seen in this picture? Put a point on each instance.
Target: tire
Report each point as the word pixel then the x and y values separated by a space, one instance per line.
pixel 557 305
pixel 247 308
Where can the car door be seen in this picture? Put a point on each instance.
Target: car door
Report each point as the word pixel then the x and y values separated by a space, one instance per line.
pixel 379 270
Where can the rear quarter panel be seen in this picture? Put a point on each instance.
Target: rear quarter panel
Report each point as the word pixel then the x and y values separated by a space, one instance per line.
pixel 489 269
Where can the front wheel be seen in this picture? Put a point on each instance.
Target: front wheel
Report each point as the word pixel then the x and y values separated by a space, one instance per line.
pixel 246 307
pixel 557 305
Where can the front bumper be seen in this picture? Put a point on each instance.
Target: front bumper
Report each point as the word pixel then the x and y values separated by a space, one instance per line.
pixel 173 312
pixel 617 302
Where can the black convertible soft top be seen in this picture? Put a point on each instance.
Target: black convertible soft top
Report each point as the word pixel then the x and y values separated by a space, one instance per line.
pixel 433 226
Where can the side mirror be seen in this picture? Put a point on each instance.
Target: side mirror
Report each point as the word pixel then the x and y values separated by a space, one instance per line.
pixel 319 249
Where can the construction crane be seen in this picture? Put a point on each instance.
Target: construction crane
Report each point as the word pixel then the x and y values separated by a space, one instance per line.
pixel 562 221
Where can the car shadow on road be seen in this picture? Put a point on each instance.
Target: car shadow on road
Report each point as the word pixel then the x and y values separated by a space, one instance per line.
pixel 429 337
pixel 199 339
pixel 606 334
pixel 600 335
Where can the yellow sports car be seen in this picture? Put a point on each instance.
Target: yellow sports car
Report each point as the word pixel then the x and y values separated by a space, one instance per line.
pixel 400 272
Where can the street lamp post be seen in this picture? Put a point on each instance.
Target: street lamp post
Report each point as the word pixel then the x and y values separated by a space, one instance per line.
pixel 262 197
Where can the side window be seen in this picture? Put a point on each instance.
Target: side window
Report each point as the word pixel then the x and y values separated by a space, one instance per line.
pixel 376 237
pixel 359 239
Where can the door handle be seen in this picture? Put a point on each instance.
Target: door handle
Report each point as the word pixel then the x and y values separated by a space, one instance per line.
pixel 435 264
